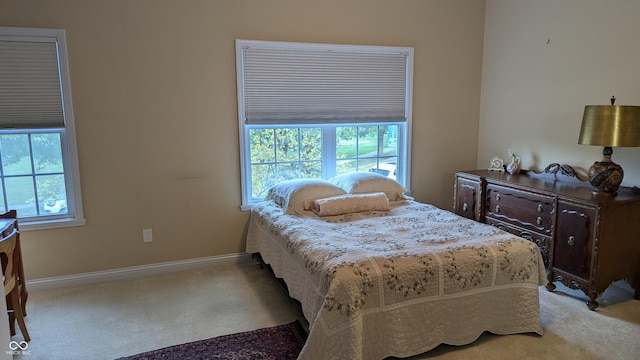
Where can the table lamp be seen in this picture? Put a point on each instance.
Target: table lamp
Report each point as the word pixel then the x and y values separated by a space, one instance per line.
pixel 609 126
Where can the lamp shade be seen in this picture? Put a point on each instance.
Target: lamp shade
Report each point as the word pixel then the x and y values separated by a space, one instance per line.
pixel 610 125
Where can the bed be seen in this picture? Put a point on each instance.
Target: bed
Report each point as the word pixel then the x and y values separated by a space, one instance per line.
pixel 392 277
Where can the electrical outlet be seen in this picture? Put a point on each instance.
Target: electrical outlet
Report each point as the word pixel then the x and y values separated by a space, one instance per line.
pixel 147 235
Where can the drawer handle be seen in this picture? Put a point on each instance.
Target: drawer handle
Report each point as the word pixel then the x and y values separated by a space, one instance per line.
pixel 497 208
pixel 539 220
pixel 571 241
pixel 539 207
pixel 497 197
pixel 465 207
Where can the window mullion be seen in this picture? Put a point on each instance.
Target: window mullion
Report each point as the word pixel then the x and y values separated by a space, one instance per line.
pixel 33 171
pixel 402 156
pixel 4 186
pixel 328 151
pixel 299 151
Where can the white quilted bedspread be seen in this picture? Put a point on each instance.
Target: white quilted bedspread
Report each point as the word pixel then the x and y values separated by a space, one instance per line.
pixel 401 282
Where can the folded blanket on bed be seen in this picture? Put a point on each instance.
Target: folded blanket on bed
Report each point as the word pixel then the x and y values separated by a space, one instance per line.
pixel 350 203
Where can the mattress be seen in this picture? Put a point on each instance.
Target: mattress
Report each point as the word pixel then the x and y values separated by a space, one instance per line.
pixel 400 282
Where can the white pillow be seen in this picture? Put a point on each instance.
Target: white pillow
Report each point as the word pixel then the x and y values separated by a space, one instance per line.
pixel 350 203
pixel 297 195
pixel 363 182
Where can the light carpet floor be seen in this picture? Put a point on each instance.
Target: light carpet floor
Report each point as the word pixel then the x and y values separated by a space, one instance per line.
pixel 110 320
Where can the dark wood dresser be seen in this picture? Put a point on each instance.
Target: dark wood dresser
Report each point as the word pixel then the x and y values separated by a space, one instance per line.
pixel 587 241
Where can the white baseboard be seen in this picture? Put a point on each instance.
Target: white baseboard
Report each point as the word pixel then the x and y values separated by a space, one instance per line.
pixel 135 271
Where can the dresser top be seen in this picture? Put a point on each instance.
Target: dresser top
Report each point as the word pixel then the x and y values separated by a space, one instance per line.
pixel 552 184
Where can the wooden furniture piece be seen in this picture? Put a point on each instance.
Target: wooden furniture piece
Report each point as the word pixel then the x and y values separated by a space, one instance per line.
pixel 9 223
pixel 8 248
pixel 587 241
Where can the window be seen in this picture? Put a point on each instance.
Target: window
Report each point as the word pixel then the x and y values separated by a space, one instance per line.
pixel 38 160
pixel 318 110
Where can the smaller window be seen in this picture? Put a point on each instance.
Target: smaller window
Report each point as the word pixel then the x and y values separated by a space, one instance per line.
pixel 38 159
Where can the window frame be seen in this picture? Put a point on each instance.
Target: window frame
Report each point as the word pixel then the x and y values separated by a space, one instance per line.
pixel 74 215
pixel 328 142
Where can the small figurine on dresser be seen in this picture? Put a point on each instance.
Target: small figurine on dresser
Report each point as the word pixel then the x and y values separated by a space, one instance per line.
pixel 514 166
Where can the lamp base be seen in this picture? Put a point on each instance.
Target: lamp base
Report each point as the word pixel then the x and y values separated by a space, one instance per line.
pixel 605 176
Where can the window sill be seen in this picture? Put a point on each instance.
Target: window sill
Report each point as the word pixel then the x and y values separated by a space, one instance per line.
pixel 246 207
pixel 51 224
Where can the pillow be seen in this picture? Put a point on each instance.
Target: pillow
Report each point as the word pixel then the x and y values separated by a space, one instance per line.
pixel 297 195
pixel 350 203
pixel 364 182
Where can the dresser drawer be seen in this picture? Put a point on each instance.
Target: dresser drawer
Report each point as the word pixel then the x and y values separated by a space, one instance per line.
pixel 465 198
pixel 543 242
pixel 527 210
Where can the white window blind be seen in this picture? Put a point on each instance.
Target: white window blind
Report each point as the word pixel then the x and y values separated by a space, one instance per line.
pixel 30 87
pixel 286 85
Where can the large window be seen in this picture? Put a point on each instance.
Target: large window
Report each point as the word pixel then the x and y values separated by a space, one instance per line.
pixel 38 160
pixel 317 110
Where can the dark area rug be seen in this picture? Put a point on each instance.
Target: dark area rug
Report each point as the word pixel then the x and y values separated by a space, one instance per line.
pixel 280 342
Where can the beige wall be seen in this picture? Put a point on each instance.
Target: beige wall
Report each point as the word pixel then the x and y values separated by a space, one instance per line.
pixel 154 96
pixel 545 60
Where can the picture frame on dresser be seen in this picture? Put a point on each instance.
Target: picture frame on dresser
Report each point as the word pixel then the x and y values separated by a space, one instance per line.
pixel 587 241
